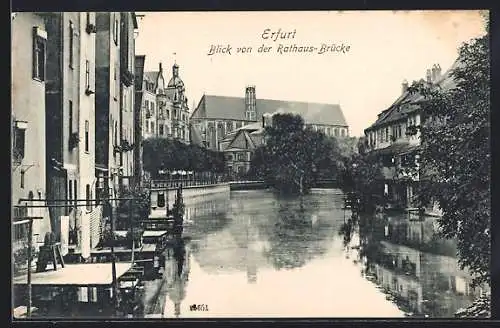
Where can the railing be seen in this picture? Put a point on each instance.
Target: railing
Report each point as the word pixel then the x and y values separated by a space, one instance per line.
pixel 187 182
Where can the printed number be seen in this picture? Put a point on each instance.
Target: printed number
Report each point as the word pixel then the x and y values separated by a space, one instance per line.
pixel 198 307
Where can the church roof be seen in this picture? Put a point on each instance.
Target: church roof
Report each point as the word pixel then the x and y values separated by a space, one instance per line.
pixel 222 107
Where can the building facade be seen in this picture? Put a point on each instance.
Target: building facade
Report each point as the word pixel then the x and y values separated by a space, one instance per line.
pixel 395 139
pixel 165 113
pixel 216 116
pixel 128 24
pixel 238 147
pixel 107 103
pixel 86 114
pixel 28 128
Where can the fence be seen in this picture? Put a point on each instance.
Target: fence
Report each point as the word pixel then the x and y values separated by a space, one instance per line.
pixel 186 182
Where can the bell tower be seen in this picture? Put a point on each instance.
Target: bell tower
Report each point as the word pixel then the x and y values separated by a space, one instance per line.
pixel 250 103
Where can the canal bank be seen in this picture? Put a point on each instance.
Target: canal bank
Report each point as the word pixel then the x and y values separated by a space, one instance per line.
pixel 162 195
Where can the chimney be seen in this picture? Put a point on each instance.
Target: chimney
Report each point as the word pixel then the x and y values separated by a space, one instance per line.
pixel 405 86
pixel 429 76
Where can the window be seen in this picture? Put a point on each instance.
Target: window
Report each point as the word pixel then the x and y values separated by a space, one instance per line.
pixel 22 179
pixel 88 19
pixel 175 114
pixel 71 43
pixel 75 190
pixel 114 84
pixel 87 197
pixel 115 32
pixel 386 134
pixel 229 126
pixel 153 108
pixel 160 127
pixel 116 134
pixel 70 191
pixel 19 143
pixel 70 118
pixel 87 75
pixel 39 49
pixel 87 136
pixel 343 132
pixel 152 127
pixel 168 114
pixel 336 132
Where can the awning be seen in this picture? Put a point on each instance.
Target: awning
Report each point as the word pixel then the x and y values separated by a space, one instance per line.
pixel 94 274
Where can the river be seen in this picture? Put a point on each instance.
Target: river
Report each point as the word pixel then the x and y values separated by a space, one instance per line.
pixel 254 254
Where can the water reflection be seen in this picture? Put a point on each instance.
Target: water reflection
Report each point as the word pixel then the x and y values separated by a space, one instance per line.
pixel 256 248
pixel 407 259
pixel 254 254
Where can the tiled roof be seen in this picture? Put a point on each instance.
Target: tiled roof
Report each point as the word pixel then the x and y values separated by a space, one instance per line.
pixel 222 107
pixel 407 103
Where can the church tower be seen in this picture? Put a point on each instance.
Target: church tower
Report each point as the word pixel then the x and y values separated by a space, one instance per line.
pixel 250 104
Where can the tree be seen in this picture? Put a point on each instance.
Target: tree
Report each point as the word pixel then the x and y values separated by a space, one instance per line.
pixel 166 154
pixel 455 156
pixel 293 155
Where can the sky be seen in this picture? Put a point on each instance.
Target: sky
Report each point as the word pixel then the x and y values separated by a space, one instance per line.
pixel 376 51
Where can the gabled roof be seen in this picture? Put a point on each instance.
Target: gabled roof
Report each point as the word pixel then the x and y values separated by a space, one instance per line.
pixel 409 102
pixel 151 76
pixel 222 107
pixel 235 142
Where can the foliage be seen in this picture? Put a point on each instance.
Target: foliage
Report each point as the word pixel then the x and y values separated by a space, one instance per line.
pixel 292 154
pixel 363 176
pixel 456 156
pixel 167 154
pixel 139 208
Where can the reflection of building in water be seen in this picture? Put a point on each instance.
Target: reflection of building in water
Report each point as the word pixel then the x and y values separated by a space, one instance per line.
pixel 421 234
pixel 424 283
pixel 252 250
pixel 405 288
pixel 177 274
pixel 207 207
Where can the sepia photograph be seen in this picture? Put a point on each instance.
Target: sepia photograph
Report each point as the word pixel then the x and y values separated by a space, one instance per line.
pixel 280 164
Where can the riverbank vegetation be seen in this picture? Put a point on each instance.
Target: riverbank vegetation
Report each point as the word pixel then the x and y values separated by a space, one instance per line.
pixel 294 157
pixel 456 150
pixel 173 155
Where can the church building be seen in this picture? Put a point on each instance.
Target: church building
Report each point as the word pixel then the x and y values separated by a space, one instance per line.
pixel 217 116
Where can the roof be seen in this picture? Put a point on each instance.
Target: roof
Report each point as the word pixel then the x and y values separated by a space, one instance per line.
pixel 408 102
pixel 151 76
pixel 397 147
pixel 76 275
pixel 222 107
